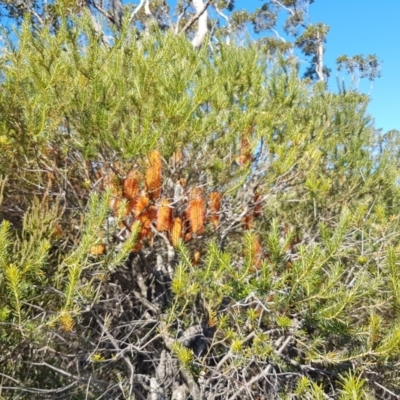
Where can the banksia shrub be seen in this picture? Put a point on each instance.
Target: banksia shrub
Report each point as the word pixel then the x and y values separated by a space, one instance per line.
pixel 153 309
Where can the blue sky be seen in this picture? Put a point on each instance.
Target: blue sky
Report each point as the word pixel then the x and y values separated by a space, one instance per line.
pixel 366 27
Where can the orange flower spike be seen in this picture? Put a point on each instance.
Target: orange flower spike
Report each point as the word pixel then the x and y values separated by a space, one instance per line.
pixel 164 217
pixel 153 175
pixel 141 204
pixel 176 231
pixel 131 207
pixel 215 206
pixel 148 216
pixel 131 186
pixel 196 211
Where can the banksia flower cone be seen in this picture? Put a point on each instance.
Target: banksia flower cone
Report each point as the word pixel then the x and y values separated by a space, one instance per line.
pixel 164 217
pixel 196 211
pixel 153 175
pixel 140 205
pixel 176 231
pixel 215 206
pixel 131 186
pixel 147 217
pixel 144 212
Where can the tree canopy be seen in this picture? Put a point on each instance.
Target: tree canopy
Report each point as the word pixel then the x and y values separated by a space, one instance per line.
pixel 186 219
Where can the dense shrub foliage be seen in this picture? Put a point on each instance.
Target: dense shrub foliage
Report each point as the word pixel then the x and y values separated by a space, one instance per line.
pixel 191 223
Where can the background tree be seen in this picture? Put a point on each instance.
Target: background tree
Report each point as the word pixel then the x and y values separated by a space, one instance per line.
pixel 196 19
pixel 186 223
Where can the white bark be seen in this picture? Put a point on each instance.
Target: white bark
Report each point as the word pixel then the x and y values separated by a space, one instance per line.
pixel 221 14
pixel 320 59
pixel 202 28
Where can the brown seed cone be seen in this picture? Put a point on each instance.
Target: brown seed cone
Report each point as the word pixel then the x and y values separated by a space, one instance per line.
pixel 153 175
pixel 164 216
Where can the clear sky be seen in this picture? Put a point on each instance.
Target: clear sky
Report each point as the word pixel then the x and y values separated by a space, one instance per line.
pixel 362 27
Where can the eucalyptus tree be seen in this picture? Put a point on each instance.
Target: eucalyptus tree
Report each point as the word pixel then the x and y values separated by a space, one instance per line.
pixel 195 19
